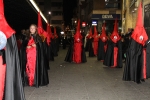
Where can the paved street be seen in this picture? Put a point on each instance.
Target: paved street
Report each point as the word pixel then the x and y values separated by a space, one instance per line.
pixel 87 81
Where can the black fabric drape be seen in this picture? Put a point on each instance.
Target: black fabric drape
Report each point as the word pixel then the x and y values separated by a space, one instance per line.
pixel 101 50
pixel 41 73
pixel 69 55
pixel 109 57
pixel 13 82
pixel 91 51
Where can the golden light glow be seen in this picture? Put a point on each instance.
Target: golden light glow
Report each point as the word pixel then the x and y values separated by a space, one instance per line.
pixel 38 10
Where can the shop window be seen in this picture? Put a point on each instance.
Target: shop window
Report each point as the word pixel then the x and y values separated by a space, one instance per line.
pixel 112 4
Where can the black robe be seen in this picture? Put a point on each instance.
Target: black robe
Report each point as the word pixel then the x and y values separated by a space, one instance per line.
pixel 91 51
pixel 50 52
pixel 46 54
pixel 101 50
pixel 13 83
pixel 55 44
pixel 133 70
pixel 109 56
pixel 69 55
pixel 83 54
pixel 64 41
pixel 41 72
pixel 147 59
pixel 87 45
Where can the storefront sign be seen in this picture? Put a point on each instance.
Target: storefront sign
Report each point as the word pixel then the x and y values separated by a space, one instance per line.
pixel 106 16
pixel 94 23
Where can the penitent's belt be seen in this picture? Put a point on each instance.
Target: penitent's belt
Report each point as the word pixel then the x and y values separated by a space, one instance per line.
pixel 2 53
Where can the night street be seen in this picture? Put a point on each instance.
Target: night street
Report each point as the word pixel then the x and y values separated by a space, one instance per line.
pixel 87 81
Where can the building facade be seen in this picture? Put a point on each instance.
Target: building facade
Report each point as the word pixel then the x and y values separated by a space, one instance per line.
pixel 129 14
pixel 100 11
pixel 53 11
pixel 56 9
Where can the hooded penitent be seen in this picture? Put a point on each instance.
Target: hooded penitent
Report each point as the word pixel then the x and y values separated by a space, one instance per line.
pixel 40 29
pixel 102 45
pixel 10 77
pixel 135 66
pixel 90 43
pixel 113 55
pixel 140 36
pixel 95 41
pixel 115 38
pixel 77 45
pixel 103 36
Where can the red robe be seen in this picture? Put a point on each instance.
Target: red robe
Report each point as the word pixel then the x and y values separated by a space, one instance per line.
pixel 31 62
pixel 77 49
pixel 95 44
pixel 115 38
pixel 2 77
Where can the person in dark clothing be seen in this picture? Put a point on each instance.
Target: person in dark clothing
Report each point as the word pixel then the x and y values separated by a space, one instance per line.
pixel 11 87
pixel 113 57
pixel 69 55
pixel 34 70
pixel 64 41
pixel 136 66
pixel 90 44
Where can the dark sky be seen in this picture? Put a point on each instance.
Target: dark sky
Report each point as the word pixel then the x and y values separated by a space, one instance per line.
pixel 69 6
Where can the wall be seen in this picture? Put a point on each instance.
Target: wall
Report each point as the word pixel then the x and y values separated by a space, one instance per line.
pixel 130 17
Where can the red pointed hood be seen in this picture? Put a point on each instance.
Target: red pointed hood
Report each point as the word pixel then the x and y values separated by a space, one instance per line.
pixel 103 36
pixel 115 36
pixel 45 34
pixel 41 31
pixel 48 34
pixel 40 26
pixel 78 34
pixel 4 27
pixel 139 34
pixel 95 31
pixel 55 33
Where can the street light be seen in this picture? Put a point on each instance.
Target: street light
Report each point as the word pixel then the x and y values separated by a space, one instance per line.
pixel 62 32
pixel 38 9
pixel 49 13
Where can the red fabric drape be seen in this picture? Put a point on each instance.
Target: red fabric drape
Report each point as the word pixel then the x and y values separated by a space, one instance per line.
pixel 95 41
pixel 139 34
pixel 77 45
pixel 4 27
pixel 95 45
pixel 144 63
pixel 103 36
pixel 77 51
pixel 2 77
pixel 105 47
pixel 55 33
pixel 49 34
pixel 115 56
pixel 31 62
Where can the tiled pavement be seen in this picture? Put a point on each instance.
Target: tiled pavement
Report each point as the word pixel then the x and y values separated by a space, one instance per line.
pixel 87 81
